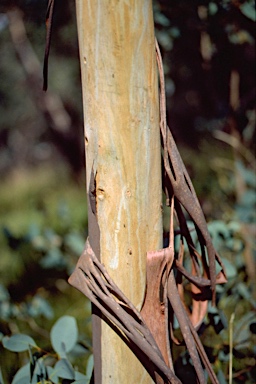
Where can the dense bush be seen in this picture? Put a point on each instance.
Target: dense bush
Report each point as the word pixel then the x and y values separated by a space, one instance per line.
pixel 48 367
pixel 38 254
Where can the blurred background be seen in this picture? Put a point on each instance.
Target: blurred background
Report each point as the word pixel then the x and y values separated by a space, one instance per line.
pixel 208 50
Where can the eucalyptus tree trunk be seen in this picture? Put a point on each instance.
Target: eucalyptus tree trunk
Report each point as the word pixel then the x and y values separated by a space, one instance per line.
pixel 123 167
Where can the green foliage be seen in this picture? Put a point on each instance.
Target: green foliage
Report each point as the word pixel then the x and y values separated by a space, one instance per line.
pixel 49 367
pixel 248 9
pixel 64 335
pixel 38 254
pixel 18 343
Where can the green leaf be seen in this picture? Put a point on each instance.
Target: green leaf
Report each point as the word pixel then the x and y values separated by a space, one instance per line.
pixel 53 259
pixel 247 174
pixel 52 375
pixel 33 360
pixel 64 369
pixel 4 294
pixel 244 291
pixel 242 327
pixel 22 376
pixel 221 377
pixel 243 346
pixel 75 242
pixel 241 336
pixel 40 306
pixel 165 40
pixel 219 232
pixel 79 350
pixel 18 343
pixel 223 356
pixel 63 210
pixel 212 8
pixel 230 269
pixel 40 372
pixel 33 231
pixel 248 9
pixel 64 335
pixel 90 365
pixel 80 376
pixel 161 19
pixel 248 198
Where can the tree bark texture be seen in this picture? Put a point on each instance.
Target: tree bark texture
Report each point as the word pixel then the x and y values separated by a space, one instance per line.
pixel 123 166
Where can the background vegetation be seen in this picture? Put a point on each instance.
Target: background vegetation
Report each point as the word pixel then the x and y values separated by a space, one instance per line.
pixel 209 55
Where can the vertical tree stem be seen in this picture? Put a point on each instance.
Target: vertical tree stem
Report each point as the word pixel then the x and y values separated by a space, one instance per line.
pixel 123 167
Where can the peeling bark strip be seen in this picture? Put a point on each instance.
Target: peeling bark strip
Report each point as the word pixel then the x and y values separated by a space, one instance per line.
pixel 49 16
pixel 177 183
pixel 121 111
pixel 149 334
pixel 91 278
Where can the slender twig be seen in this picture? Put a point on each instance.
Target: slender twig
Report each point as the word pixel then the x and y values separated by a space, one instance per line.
pixel 231 324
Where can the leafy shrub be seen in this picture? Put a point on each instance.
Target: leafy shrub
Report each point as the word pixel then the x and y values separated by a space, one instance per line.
pixel 50 367
pixel 38 253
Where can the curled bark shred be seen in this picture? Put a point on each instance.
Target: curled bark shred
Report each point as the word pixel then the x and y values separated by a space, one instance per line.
pixel 151 340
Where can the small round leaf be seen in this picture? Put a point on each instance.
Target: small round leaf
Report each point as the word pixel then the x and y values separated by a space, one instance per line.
pixel 64 369
pixel 64 335
pixel 230 269
pixel 18 343
pixel 52 374
pixel 80 376
pixel 22 376
pixel 90 365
